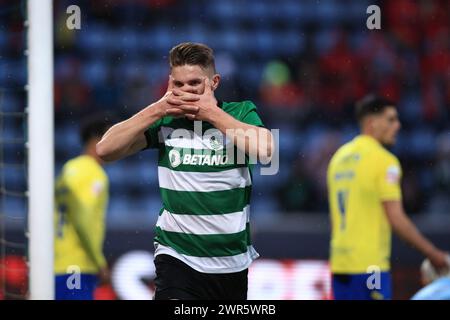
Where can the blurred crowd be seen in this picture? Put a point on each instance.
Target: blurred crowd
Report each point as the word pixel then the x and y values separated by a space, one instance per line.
pixel 303 63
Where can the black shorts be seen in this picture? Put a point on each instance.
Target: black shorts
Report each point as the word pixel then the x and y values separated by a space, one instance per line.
pixel 176 280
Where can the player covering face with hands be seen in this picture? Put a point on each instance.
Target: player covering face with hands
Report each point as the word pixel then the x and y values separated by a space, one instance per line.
pixel 195 101
pixel 202 237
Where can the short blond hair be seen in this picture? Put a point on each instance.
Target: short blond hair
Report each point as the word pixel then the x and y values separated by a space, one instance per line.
pixel 191 53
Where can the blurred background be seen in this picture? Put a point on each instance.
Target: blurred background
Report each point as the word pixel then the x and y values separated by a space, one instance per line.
pixel 303 63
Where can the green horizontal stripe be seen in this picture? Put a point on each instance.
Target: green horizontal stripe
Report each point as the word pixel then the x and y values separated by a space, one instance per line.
pixel 198 203
pixel 214 245
pixel 247 228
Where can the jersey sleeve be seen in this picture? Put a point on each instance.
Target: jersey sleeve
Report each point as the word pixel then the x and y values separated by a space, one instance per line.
pixel 389 178
pixel 151 135
pixel 86 191
pixel 249 115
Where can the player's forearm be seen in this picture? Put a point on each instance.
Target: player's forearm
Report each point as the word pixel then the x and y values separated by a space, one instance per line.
pixel 254 141
pixel 127 137
pixel 88 240
pixel 406 230
pixel 93 251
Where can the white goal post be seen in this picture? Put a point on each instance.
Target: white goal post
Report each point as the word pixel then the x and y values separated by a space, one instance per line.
pixel 40 148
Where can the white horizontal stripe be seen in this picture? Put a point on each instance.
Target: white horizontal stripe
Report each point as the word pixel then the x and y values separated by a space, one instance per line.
pixel 184 138
pixel 228 264
pixel 204 181
pixel 204 224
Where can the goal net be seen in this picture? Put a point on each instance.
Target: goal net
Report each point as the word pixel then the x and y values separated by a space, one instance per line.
pixel 26 150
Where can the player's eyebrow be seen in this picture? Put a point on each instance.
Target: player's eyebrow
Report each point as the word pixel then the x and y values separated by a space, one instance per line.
pixel 393 118
pixel 195 80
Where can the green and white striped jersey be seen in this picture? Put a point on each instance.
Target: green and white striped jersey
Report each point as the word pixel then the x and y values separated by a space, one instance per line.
pixel 205 191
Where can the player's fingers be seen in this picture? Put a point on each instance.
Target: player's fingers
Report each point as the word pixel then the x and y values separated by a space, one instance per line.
pixel 170 85
pixel 174 112
pixel 207 84
pixel 185 96
pixel 190 97
pixel 184 111
pixel 190 116
pixel 177 92
pixel 188 108
pixel 175 101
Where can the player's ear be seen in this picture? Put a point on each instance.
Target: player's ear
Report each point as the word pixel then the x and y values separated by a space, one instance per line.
pixel 368 122
pixel 215 81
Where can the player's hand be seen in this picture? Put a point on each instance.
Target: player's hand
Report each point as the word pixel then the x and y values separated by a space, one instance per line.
pixel 176 105
pixel 206 103
pixel 440 261
pixel 104 276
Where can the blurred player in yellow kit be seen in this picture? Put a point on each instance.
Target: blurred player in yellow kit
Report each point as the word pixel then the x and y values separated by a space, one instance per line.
pixel 81 202
pixel 366 203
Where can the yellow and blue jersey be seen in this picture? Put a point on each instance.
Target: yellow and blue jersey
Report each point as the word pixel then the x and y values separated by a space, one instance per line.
pixel 361 175
pixel 81 197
